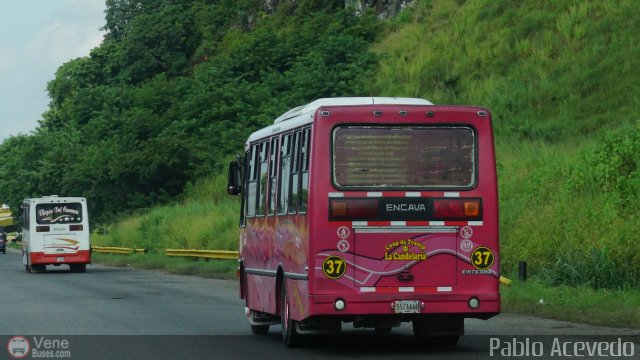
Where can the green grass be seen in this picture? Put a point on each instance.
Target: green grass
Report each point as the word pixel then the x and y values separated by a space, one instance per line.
pixel 555 216
pixel 207 219
pixel 548 70
pixel 557 76
pixel 579 304
pixel 218 269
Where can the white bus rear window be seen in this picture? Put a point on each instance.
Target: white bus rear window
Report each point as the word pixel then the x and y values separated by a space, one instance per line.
pixel 406 157
pixel 67 213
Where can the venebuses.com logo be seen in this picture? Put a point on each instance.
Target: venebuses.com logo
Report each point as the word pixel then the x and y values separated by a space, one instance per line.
pixel 39 347
pixel 18 347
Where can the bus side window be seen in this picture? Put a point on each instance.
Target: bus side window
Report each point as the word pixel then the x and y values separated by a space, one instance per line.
pixel 262 186
pixel 245 182
pixel 273 172
pixel 253 177
pixel 304 168
pixel 294 180
pixel 26 217
pixel 285 174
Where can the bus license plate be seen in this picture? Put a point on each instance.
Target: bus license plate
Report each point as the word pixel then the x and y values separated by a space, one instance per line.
pixel 406 306
pixel 60 259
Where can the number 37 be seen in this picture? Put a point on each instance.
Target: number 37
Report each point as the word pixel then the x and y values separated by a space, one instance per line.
pixel 482 258
pixel 334 267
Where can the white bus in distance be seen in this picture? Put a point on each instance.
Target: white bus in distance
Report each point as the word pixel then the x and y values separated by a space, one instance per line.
pixel 55 232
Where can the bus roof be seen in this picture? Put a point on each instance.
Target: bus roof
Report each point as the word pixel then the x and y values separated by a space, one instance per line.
pixel 345 101
pixel 304 114
pixel 55 199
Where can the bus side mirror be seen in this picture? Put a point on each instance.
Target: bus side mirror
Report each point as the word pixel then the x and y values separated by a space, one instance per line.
pixel 234 178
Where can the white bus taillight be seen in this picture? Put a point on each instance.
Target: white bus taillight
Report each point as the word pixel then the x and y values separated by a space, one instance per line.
pixel 42 229
pixel 456 209
pixel 75 228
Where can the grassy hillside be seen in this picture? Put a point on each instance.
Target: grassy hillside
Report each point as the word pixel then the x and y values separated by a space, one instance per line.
pixel 549 70
pixel 207 219
pixel 561 79
pixel 558 77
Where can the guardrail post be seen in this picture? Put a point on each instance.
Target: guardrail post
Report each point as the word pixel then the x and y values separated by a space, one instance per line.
pixel 522 270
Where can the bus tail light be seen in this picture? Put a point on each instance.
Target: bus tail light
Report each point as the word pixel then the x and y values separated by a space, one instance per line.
pixel 42 229
pixel 454 209
pixel 351 209
pixel 75 227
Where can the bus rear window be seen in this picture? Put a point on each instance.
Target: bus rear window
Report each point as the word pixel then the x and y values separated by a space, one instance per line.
pixel 66 213
pixel 403 157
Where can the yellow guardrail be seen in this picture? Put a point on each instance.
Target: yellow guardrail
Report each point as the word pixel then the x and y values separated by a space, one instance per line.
pixel 6 219
pixel 504 280
pixel 116 250
pixel 205 254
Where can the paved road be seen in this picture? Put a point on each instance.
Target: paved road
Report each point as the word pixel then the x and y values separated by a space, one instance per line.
pixel 175 317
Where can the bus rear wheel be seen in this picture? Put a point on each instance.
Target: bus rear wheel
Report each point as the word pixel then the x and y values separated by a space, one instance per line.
pixel 383 329
pixel 37 268
pixel 290 335
pixel 438 341
pixel 256 329
pixel 78 268
pixel 25 259
pixel 438 332
pixel 259 329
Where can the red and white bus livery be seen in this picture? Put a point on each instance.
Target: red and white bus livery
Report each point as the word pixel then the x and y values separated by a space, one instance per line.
pixel 374 211
pixel 55 232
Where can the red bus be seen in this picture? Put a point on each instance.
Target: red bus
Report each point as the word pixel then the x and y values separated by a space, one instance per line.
pixel 370 211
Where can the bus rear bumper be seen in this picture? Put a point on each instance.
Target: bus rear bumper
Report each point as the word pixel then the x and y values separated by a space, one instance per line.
pixel 488 305
pixel 81 257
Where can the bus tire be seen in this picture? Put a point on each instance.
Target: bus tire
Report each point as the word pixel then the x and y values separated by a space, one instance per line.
pixel 383 329
pixel 259 329
pixel 444 341
pixel 424 335
pixel 78 268
pixel 38 268
pixel 290 335
pixel 256 329
pixel 451 340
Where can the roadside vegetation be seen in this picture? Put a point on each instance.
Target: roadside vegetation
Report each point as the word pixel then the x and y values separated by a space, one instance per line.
pixel 207 218
pixel 173 90
pixel 582 304
pixel 560 78
pixel 216 269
